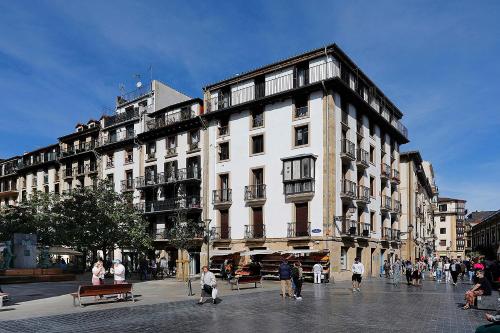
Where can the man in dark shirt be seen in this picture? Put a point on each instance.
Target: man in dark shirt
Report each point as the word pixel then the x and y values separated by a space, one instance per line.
pixel 285 274
pixel 482 287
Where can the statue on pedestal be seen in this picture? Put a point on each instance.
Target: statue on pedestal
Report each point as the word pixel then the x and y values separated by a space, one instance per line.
pixel 7 255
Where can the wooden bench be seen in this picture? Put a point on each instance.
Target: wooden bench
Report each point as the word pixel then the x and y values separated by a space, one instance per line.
pixel 3 297
pixel 244 279
pixel 101 290
pixel 487 302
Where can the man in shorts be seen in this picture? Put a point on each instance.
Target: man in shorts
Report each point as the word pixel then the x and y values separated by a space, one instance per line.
pixel 357 272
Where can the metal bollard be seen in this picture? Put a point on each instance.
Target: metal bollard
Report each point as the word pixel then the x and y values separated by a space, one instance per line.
pixel 190 288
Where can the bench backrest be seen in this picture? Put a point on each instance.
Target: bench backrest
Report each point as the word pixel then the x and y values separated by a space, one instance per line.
pixel 249 278
pixel 104 289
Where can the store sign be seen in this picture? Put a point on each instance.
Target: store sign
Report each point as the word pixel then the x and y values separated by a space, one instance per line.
pixel 316 231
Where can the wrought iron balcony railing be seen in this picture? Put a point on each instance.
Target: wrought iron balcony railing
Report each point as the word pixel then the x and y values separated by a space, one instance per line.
pixel 255 231
pixel 299 229
pixel 255 192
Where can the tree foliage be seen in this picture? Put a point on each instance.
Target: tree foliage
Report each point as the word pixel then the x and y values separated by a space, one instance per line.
pixel 90 218
pixel 186 233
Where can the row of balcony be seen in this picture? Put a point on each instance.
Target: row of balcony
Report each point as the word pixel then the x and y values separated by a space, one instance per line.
pixel 121 117
pixel 301 77
pixel 163 178
pixel 81 148
pixel 170 205
pixel 169 119
pixel 348 228
pixel 350 191
pixel 79 171
pixel 8 187
pixel 251 232
pixel 40 159
pixel 116 137
pixel 348 153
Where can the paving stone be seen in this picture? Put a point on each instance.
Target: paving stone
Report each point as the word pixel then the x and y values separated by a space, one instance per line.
pixel 380 307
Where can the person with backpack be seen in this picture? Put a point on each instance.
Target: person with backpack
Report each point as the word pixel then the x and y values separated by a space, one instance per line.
pixel 297 276
pixel 285 275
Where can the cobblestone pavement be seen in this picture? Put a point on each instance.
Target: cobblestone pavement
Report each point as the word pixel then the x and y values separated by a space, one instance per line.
pixel 325 308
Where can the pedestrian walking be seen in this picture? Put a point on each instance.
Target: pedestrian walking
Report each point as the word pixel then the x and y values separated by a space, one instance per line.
pixel 297 276
pixel 408 271
pixel 397 267
pixel 387 269
pixel 439 270
pixel 143 269
pixel 317 270
pixel 153 268
pixel 454 271
pixel 447 273
pixel 357 273
pixel 285 276
pixel 163 267
pixel 417 273
pixel 208 284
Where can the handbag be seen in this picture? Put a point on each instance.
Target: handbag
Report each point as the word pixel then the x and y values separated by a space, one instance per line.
pixel 207 289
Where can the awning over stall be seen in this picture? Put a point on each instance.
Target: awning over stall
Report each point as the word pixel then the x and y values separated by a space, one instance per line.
pixel 64 251
pixel 216 253
pixel 257 252
pixel 303 251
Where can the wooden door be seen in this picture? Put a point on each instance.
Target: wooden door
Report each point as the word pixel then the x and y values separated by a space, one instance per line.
pixel 258 223
pixel 224 224
pixel 301 219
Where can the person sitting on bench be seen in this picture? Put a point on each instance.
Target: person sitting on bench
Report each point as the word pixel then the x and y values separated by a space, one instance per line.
pixel 482 287
pixel 208 285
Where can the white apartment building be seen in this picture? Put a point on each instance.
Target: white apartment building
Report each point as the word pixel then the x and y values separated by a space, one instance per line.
pixel 417 219
pixel 303 156
pixel 299 156
pixel 450 228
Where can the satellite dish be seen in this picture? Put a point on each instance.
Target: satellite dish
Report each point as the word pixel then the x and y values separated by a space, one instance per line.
pixel 138 84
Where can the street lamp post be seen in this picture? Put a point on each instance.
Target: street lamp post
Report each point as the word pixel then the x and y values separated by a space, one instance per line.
pixel 208 235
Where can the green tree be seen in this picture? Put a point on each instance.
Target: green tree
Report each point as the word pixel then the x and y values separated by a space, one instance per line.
pixel 186 234
pixel 98 218
pixel 35 215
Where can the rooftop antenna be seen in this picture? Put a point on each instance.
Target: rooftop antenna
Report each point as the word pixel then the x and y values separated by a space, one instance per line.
pixel 121 86
pixel 138 84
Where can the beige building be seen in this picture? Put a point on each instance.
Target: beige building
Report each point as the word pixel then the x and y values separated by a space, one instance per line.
pixel 450 228
pixel 417 222
pixel 303 158
pixel 9 187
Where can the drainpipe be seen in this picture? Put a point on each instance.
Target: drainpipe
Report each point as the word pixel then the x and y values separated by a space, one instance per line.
pixel 327 144
pixel 327 153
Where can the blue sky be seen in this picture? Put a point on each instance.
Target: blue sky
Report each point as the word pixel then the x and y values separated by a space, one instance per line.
pixel 62 62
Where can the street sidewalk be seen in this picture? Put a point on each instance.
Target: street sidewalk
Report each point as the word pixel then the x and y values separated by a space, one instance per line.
pixel 52 298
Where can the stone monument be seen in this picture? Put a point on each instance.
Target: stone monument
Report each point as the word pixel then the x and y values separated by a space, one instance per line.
pixel 25 250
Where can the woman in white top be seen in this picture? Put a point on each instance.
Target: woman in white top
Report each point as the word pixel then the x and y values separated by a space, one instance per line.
pixel 98 274
pixel 208 285
pixel 447 271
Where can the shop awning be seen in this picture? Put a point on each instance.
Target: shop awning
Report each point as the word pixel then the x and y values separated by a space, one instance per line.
pixel 64 251
pixel 302 251
pixel 256 252
pixel 222 253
